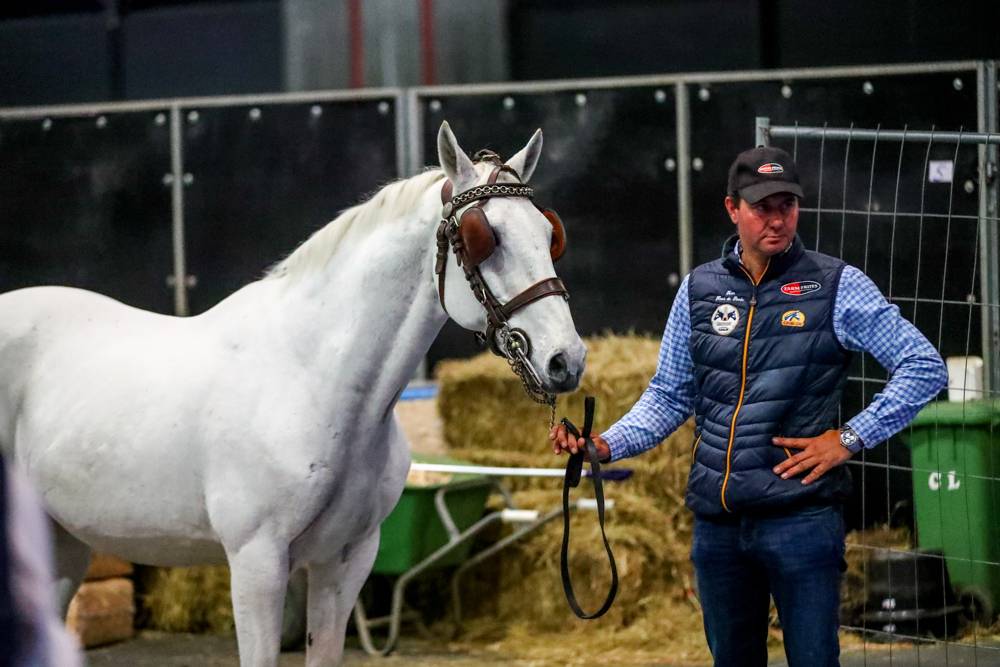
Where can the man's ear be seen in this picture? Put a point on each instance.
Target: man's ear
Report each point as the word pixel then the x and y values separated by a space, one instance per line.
pixel 731 208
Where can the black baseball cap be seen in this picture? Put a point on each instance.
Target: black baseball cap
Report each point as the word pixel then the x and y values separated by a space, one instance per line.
pixel 761 172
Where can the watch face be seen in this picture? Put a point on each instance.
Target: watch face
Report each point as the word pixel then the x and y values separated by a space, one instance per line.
pixel 848 438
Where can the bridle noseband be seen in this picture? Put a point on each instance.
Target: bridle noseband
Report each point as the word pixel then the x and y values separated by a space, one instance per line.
pixel 471 238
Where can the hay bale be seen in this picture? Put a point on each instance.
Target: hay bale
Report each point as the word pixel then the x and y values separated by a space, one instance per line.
pixel 103 566
pixel 189 599
pixel 102 612
pixel 516 599
pixel 483 405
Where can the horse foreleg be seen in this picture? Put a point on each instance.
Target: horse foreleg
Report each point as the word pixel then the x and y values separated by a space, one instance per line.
pixel 333 590
pixel 72 559
pixel 259 575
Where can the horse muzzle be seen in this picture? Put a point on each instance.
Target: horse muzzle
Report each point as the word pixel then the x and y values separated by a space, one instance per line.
pixel 563 368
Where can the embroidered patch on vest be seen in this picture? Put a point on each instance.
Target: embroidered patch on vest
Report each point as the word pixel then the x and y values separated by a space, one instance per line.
pixel 793 318
pixel 800 288
pixel 724 319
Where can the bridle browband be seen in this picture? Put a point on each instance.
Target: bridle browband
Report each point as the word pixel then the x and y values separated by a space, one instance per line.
pixel 510 343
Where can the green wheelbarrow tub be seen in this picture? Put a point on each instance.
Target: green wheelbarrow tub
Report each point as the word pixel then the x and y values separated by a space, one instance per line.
pixel 413 530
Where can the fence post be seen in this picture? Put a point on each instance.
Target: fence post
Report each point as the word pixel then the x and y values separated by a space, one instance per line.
pixel 685 231
pixel 177 211
pixel 762 133
pixel 989 207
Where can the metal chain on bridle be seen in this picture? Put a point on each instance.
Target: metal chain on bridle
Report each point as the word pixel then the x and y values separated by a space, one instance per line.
pixel 510 343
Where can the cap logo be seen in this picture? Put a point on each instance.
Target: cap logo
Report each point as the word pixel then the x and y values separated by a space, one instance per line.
pixel 770 168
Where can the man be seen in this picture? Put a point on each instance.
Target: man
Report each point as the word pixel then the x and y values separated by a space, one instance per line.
pixel 757 346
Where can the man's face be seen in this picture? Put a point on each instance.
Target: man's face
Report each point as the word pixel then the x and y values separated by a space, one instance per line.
pixel 768 226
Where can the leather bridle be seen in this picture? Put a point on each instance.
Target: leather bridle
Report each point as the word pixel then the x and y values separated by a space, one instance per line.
pixel 466 230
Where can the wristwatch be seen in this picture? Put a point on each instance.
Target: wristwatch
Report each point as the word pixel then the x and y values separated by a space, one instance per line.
pixel 850 440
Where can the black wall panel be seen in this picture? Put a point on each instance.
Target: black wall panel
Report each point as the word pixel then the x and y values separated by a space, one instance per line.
pixel 565 40
pixel 603 169
pixel 203 49
pixel 84 205
pixel 259 187
pixel 53 60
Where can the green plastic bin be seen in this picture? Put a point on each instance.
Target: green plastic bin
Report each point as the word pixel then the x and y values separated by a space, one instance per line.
pixel 413 530
pixel 956 462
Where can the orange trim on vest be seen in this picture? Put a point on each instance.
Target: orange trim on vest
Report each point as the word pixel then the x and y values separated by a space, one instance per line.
pixel 743 385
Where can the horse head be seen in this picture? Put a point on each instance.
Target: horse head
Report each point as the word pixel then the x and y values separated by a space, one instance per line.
pixel 504 286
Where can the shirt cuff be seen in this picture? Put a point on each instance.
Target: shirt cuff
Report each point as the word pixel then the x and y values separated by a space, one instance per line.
pixel 615 445
pixel 867 428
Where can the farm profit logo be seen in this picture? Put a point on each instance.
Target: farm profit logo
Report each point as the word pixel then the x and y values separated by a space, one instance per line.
pixel 800 288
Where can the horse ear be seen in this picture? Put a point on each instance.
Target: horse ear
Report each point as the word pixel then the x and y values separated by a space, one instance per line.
pixel 525 161
pixel 455 163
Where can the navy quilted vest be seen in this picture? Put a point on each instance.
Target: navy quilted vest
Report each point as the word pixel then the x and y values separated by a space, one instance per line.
pixel 766 363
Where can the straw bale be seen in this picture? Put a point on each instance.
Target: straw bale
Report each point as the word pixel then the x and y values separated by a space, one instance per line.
pixel 103 566
pixel 483 405
pixel 421 424
pixel 516 599
pixel 189 599
pixel 102 612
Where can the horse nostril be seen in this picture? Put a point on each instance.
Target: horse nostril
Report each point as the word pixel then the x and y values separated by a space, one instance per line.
pixel 558 370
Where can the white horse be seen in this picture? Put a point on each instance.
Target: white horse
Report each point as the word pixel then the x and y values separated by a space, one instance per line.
pixel 261 432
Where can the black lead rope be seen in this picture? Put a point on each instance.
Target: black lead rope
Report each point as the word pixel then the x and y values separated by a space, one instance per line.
pixel 574 470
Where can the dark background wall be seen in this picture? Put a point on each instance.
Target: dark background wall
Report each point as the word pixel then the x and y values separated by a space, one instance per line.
pixel 56 51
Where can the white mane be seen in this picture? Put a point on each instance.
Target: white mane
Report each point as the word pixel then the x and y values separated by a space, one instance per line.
pixel 389 203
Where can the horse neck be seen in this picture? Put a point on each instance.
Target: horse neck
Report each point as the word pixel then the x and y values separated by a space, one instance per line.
pixel 370 315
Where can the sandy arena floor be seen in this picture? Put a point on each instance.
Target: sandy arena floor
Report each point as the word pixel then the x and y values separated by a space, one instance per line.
pixel 157 649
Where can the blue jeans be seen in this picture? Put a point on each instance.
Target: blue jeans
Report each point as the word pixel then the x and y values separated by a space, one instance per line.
pixel 798 558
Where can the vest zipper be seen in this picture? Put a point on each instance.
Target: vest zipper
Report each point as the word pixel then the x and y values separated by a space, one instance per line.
pixel 743 382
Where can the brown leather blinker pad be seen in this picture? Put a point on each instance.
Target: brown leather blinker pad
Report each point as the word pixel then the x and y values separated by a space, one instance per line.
pixel 558 246
pixel 477 236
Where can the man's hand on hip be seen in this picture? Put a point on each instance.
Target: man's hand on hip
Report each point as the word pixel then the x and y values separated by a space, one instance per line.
pixel 821 454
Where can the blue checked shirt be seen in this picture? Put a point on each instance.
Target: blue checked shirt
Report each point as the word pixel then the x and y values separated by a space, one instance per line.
pixel 863 321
